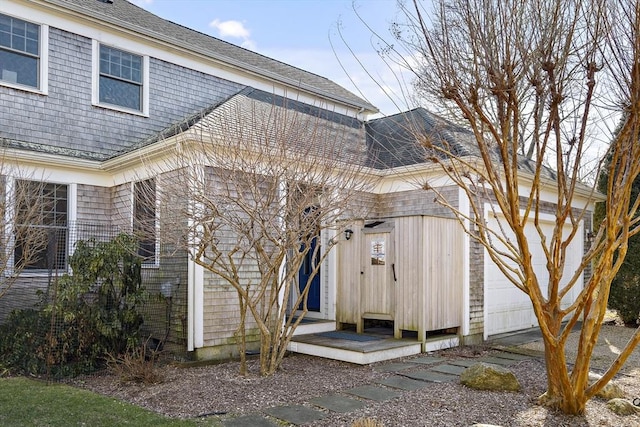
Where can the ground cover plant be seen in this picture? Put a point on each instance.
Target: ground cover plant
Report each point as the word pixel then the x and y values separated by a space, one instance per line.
pixel 27 402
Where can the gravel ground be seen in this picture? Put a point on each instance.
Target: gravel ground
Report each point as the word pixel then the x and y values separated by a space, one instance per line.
pixel 218 391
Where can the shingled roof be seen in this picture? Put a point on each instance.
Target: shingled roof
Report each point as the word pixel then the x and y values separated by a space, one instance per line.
pixel 127 15
pixel 392 140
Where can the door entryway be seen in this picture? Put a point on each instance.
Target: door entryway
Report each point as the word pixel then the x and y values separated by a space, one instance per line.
pixel 309 263
pixel 377 297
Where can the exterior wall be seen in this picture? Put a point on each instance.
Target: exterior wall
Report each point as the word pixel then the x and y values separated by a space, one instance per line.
pixel 476 293
pixel 94 204
pixel 221 304
pixel 22 295
pixel 348 295
pixel 121 208
pixel 66 119
pixel 416 202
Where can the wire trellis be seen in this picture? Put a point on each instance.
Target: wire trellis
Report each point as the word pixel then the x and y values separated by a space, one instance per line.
pixel 32 333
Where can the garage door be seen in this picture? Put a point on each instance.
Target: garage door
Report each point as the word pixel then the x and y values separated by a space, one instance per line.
pixel 507 308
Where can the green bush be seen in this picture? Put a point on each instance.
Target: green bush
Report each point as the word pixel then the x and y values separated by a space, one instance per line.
pixel 21 337
pixel 624 297
pixel 83 317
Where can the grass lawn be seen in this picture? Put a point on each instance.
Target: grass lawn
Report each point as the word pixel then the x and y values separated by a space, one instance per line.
pixel 26 402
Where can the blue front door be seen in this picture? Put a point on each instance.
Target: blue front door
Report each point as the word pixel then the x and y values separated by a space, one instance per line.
pixel 306 269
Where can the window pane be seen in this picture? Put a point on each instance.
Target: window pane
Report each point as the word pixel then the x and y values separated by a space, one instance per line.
pixel 19 43
pixel 144 218
pixel 5 25
pixel 5 39
pixel 32 47
pixel 121 64
pixel 16 68
pixel 18 37
pixel 14 33
pixel 18 28
pixel 41 234
pixel 119 92
pixel 33 32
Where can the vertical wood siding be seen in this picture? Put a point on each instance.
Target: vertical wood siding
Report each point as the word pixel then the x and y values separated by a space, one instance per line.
pixel 428 263
pixel 443 273
pixel 348 286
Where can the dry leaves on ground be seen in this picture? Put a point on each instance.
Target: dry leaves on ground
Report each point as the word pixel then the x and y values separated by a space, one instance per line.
pixel 218 391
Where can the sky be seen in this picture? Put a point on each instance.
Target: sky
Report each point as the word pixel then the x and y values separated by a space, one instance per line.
pixel 303 33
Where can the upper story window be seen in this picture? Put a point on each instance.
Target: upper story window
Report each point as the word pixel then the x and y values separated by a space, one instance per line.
pixel 22 53
pixel 120 79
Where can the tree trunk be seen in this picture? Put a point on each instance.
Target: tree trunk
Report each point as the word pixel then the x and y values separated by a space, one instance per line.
pixel 560 394
pixel 242 335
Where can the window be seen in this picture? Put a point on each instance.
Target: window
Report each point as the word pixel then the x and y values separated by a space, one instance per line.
pixel 144 219
pixel 120 78
pixel 42 224
pixel 19 52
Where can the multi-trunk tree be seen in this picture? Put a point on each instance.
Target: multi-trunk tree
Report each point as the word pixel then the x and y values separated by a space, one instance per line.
pixel 267 183
pixel 537 82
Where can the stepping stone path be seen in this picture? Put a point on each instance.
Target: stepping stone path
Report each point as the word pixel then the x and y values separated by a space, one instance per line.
pixel 498 361
pixel 337 403
pixel 403 383
pixel 372 392
pixel 432 376
pixel 449 369
pixel 295 414
pixel 410 375
pixel 394 367
pixel 463 362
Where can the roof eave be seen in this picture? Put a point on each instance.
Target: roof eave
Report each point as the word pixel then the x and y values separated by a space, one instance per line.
pixel 219 59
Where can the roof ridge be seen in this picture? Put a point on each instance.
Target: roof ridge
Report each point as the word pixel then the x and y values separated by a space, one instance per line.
pixel 214 48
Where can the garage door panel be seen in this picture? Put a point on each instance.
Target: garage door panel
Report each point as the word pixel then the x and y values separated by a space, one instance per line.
pixel 509 309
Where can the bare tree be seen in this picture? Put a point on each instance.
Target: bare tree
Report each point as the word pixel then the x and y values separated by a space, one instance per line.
pixel 27 235
pixel 268 183
pixel 535 82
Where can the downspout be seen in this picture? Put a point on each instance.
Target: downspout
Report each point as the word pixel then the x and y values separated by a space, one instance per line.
pixel 463 202
pixel 195 281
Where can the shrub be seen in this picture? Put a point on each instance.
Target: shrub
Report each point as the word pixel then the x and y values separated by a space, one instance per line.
pixel 21 337
pixel 136 365
pixel 624 297
pixel 83 317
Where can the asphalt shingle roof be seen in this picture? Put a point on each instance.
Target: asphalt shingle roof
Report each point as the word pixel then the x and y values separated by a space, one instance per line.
pixel 127 15
pixel 392 140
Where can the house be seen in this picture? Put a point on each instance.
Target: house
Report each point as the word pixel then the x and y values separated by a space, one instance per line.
pixel 91 90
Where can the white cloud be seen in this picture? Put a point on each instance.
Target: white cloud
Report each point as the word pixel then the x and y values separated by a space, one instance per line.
pixel 249 44
pixel 235 30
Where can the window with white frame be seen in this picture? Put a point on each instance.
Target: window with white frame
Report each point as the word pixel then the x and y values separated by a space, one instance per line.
pixel 41 225
pixel 22 48
pixel 121 78
pixel 144 219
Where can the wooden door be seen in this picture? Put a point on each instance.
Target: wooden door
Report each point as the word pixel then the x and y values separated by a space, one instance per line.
pixel 309 263
pixel 377 297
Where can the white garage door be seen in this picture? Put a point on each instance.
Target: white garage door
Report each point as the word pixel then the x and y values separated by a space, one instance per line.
pixel 507 308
